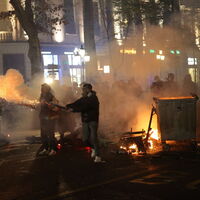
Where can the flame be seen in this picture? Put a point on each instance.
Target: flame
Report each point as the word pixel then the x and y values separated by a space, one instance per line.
pixel 154 134
pixel 133 146
pixel 150 144
pixel 12 87
pixel 133 149
pixel 152 141
pixel 123 147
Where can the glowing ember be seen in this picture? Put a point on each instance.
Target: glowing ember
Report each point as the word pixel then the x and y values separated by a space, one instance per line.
pixel 122 147
pixel 133 146
pixel 131 149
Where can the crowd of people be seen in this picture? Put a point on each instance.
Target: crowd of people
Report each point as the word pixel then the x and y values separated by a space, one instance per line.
pixel 170 87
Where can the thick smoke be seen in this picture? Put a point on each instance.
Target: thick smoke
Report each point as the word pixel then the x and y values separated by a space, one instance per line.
pixel 15 98
pixel 126 94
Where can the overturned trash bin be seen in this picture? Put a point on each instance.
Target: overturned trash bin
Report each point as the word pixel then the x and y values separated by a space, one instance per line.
pixel 176 119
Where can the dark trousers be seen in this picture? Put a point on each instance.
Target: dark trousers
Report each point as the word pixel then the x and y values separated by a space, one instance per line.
pixel 47 131
pixel 90 137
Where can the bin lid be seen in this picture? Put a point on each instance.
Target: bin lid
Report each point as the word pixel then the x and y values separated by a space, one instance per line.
pixel 156 99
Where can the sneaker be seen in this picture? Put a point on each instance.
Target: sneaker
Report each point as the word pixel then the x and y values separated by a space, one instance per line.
pixel 43 152
pixel 52 153
pixel 93 153
pixel 97 159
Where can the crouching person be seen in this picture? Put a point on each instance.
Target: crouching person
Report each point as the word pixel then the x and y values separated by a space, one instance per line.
pixel 88 106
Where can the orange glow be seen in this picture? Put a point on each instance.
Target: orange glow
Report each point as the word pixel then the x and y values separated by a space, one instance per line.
pixel 133 146
pixel 150 144
pixel 154 134
pixel 12 88
pixel 143 122
pixel 186 97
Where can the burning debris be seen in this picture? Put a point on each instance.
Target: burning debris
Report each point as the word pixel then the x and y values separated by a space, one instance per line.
pixel 176 120
pixel 132 142
pixel 137 142
pixel 140 142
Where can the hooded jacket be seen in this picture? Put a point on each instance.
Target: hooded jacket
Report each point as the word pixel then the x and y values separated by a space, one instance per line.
pixel 88 107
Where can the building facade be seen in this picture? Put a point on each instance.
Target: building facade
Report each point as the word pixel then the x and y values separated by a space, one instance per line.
pixel 60 60
pixel 63 52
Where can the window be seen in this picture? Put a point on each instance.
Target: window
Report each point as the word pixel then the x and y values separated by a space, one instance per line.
pixel 194 72
pixel 74 60
pixel 192 61
pixel 50 60
pixel 76 74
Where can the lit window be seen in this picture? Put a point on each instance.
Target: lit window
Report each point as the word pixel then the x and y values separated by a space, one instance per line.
pixel 74 60
pixel 50 60
pixel 162 57
pixel 158 57
pixel 106 69
pixel 194 74
pixel 76 75
pixel 55 60
pixel 192 61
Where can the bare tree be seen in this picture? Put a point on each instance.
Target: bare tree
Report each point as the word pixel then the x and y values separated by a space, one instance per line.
pixel 28 13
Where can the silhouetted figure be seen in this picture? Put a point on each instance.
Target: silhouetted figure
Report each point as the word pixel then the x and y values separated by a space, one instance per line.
pixel 188 87
pixel 170 86
pixel 157 86
pixel 134 88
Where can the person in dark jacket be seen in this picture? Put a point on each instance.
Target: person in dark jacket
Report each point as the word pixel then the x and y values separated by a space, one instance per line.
pixel 48 115
pixel 88 106
pixel 188 86
pixel 157 86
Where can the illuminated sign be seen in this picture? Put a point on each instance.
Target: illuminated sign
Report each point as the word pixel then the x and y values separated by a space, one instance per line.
pixel 128 51
pixel 151 51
